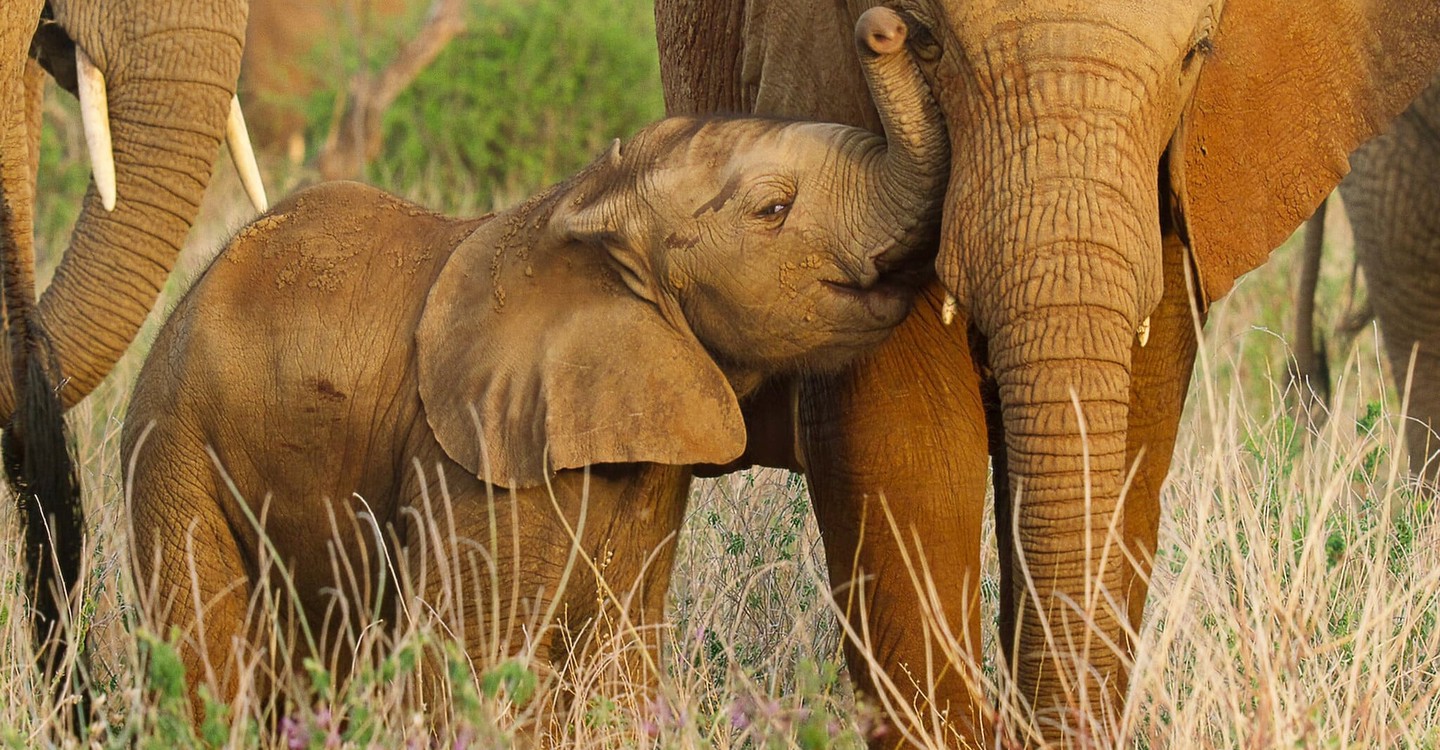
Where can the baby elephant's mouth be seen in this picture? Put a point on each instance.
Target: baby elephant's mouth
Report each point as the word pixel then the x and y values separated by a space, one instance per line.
pixel 885 296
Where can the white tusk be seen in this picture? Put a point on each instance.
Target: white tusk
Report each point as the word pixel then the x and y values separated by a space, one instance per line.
pixel 947 311
pixel 95 116
pixel 243 156
pixel 1143 332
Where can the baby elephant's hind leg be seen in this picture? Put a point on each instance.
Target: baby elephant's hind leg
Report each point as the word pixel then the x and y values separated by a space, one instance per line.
pixel 187 561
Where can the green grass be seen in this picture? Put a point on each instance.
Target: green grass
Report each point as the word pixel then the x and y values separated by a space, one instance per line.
pixel 527 95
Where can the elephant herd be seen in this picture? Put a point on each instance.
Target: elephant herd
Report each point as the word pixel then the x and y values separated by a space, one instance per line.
pixel 1006 290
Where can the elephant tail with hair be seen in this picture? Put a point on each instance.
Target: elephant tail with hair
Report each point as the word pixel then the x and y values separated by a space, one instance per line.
pixel 1309 368
pixel 35 449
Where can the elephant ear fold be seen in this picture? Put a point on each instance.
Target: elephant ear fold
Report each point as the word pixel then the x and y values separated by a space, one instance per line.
pixel 1287 91
pixel 564 369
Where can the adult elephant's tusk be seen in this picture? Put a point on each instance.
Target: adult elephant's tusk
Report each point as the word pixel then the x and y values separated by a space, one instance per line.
pixel 243 156
pixel 947 310
pixel 95 116
pixel 1143 332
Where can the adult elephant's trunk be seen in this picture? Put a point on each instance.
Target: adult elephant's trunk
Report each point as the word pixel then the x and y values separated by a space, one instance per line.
pixel 909 172
pixel 1053 250
pixel 170 79
pixel 1063 370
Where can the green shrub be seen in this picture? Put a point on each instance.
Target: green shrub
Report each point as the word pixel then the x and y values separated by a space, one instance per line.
pixel 527 95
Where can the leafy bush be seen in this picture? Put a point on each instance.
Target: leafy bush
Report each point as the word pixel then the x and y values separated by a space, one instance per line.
pixel 527 95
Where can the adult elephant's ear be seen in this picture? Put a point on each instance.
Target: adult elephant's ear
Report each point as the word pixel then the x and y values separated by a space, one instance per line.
pixel 1287 91
pixel 547 361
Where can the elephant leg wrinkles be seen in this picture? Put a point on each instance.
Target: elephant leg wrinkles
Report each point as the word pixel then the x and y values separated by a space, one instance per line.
pixel 199 589
pixel 905 439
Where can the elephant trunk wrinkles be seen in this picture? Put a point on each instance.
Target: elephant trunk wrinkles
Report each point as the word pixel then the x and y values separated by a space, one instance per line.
pixel 909 174
pixel 167 114
pixel 1063 372
pixel 1060 303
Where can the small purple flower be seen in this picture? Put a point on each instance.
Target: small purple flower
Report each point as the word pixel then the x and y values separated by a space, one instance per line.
pixel 293 733
pixel 740 714
pixel 663 716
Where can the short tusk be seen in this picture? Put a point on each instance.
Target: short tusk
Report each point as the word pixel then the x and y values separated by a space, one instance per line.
pixel 243 155
pixel 947 310
pixel 95 116
pixel 1143 332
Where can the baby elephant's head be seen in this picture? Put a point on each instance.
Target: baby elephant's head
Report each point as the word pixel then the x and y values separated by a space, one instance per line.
pixel 674 274
pixel 782 245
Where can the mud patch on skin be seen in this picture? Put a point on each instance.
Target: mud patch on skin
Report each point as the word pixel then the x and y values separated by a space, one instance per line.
pixel 789 277
pixel 721 198
pixel 400 205
pixel 512 247
pixel 319 262
pixel 409 263
pixel 239 243
pixel 676 241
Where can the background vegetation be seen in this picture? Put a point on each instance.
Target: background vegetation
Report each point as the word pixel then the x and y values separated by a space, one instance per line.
pixel 1295 597
pixel 529 93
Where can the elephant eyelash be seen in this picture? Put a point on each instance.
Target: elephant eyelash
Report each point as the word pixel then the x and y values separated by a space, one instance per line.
pixel 770 199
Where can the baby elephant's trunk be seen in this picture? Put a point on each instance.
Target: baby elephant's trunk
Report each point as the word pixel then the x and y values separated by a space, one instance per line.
pixel 910 177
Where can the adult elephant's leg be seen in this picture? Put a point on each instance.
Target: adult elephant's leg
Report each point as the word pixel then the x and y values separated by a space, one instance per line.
pixel 1391 199
pixel 1405 307
pixel 1160 379
pixel 905 431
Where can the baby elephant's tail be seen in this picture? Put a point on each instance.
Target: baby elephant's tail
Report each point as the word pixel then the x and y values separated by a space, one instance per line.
pixel 38 466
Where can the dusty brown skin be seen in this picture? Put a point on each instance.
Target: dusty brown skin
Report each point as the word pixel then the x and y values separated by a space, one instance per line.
pixel 1100 149
pixel 351 345
pixel 1392 199
pixel 170 70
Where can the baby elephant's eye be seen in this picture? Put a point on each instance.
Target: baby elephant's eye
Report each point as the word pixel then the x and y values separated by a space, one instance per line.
pixel 775 210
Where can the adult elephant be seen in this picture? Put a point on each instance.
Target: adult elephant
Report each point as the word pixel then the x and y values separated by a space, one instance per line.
pixel 1115 166
pixel 156 82
pixel 1391 199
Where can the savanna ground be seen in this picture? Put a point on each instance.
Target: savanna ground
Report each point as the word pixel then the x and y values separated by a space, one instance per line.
pixel 1295 594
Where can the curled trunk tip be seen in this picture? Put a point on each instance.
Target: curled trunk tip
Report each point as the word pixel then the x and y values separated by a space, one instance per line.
pixel 880 31
pixel 911 176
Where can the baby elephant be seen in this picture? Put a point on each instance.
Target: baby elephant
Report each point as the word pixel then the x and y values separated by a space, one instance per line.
pixel 364 391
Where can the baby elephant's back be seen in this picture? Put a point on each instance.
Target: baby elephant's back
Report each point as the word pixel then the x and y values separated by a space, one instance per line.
pixel 301 334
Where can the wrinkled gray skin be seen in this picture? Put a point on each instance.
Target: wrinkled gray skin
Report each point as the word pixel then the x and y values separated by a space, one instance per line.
pixel 1392 199
pixel 170 70
pixel 352 353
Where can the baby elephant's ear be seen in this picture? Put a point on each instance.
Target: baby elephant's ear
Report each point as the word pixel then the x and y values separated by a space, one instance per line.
pixel 565 369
